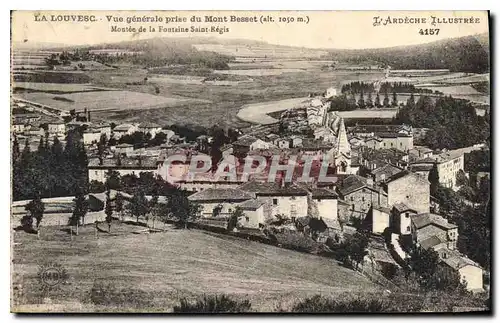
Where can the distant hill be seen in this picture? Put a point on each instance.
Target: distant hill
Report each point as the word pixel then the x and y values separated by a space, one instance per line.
pixel 465 54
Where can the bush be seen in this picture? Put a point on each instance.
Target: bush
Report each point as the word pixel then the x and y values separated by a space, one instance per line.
pixel 213 304
pixel 347 303
pixel 110 295
pixel 96 187
pixel 320 304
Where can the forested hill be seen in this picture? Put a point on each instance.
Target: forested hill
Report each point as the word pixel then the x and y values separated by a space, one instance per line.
pixel 464 54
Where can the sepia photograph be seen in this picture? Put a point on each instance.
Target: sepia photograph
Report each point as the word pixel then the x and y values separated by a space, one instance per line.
pixel 279 162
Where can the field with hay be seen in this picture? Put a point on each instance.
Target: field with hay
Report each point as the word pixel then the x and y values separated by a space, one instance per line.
pixel 106 100
pixel 163 267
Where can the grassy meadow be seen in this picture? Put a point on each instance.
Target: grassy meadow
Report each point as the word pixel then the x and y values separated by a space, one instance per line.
pixel 160 268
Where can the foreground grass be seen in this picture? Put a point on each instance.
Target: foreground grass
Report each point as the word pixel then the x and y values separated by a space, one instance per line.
pixel 157 270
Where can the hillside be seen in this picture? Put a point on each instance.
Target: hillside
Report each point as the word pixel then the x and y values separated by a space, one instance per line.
pixel 175 264
pixel 464 54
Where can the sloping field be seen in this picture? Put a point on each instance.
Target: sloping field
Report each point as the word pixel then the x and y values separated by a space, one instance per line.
pixel 259 71
pixel 258 112
pixel 175 264
pixel 106 100
pixel 54 87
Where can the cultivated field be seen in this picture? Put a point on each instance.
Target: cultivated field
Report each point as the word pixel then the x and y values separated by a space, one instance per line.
pixel 261 51
pixel 53 87
pixel 106 100
pixel 226 100
pixel 169 265
pixel 258 112
pixel 259 71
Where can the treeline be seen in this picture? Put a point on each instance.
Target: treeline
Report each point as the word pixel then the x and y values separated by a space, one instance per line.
pixel 398 87
pixel 348 102
pixel 51 170
pixel 465 54
pixel 453 122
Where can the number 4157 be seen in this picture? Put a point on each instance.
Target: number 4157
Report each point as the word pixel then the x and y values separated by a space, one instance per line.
pixel 427 32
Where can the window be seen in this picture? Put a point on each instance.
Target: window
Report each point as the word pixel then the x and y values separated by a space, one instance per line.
pixel 407 215
pixel 408 229
pixel 319 200
pixel 96 172
pixel 363 198
pixel 275 201
pixel 352 198
pixel 247 218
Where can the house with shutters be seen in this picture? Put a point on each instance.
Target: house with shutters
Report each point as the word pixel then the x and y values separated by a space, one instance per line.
pixel 426 226
pixel 220 202
pixel 361 194
pixel 410 189
pixel 287 200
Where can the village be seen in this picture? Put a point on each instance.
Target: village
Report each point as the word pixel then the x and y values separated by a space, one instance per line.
pixel 378 180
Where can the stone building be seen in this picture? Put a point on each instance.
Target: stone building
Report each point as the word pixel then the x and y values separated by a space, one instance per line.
pixel 409 188
pixel 361 194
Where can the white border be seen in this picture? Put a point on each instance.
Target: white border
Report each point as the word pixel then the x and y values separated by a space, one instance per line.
pixel 195 5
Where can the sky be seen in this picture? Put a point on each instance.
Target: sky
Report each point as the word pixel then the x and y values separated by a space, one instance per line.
pixel 325 29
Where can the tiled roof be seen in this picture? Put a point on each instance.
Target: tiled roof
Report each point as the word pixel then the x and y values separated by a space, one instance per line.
pixel 352 183
pixel 382 255
pixel 123 127
pixel 221 194
pixel 456 260
pixel 431 242
pixel 252 204
pixel 126 163
pixel 331 223
pixel 272 189
pixel 245 141
pixel 407 173
pixel 424 219
pixel 386 170
pixel 381 208
pixel 401 207
pixel 323 193
pixel 420 168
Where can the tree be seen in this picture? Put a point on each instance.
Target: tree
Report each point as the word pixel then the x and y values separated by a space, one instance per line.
pixel 424 263
pixel 138 205
pixel 394 99
pixel 16 152
pixel 352 250
pixel 377 100
pixel 369 100
pixel 36 208
pixel 410 103
pixel 119 203
pixel 386 99
pixel 108 211
pixel 361 101
pixel 79 210
pixel 182 208
pixel 113 180
pixel 233 219
pixel 462 179
pixel 433 178
pixel 154 207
